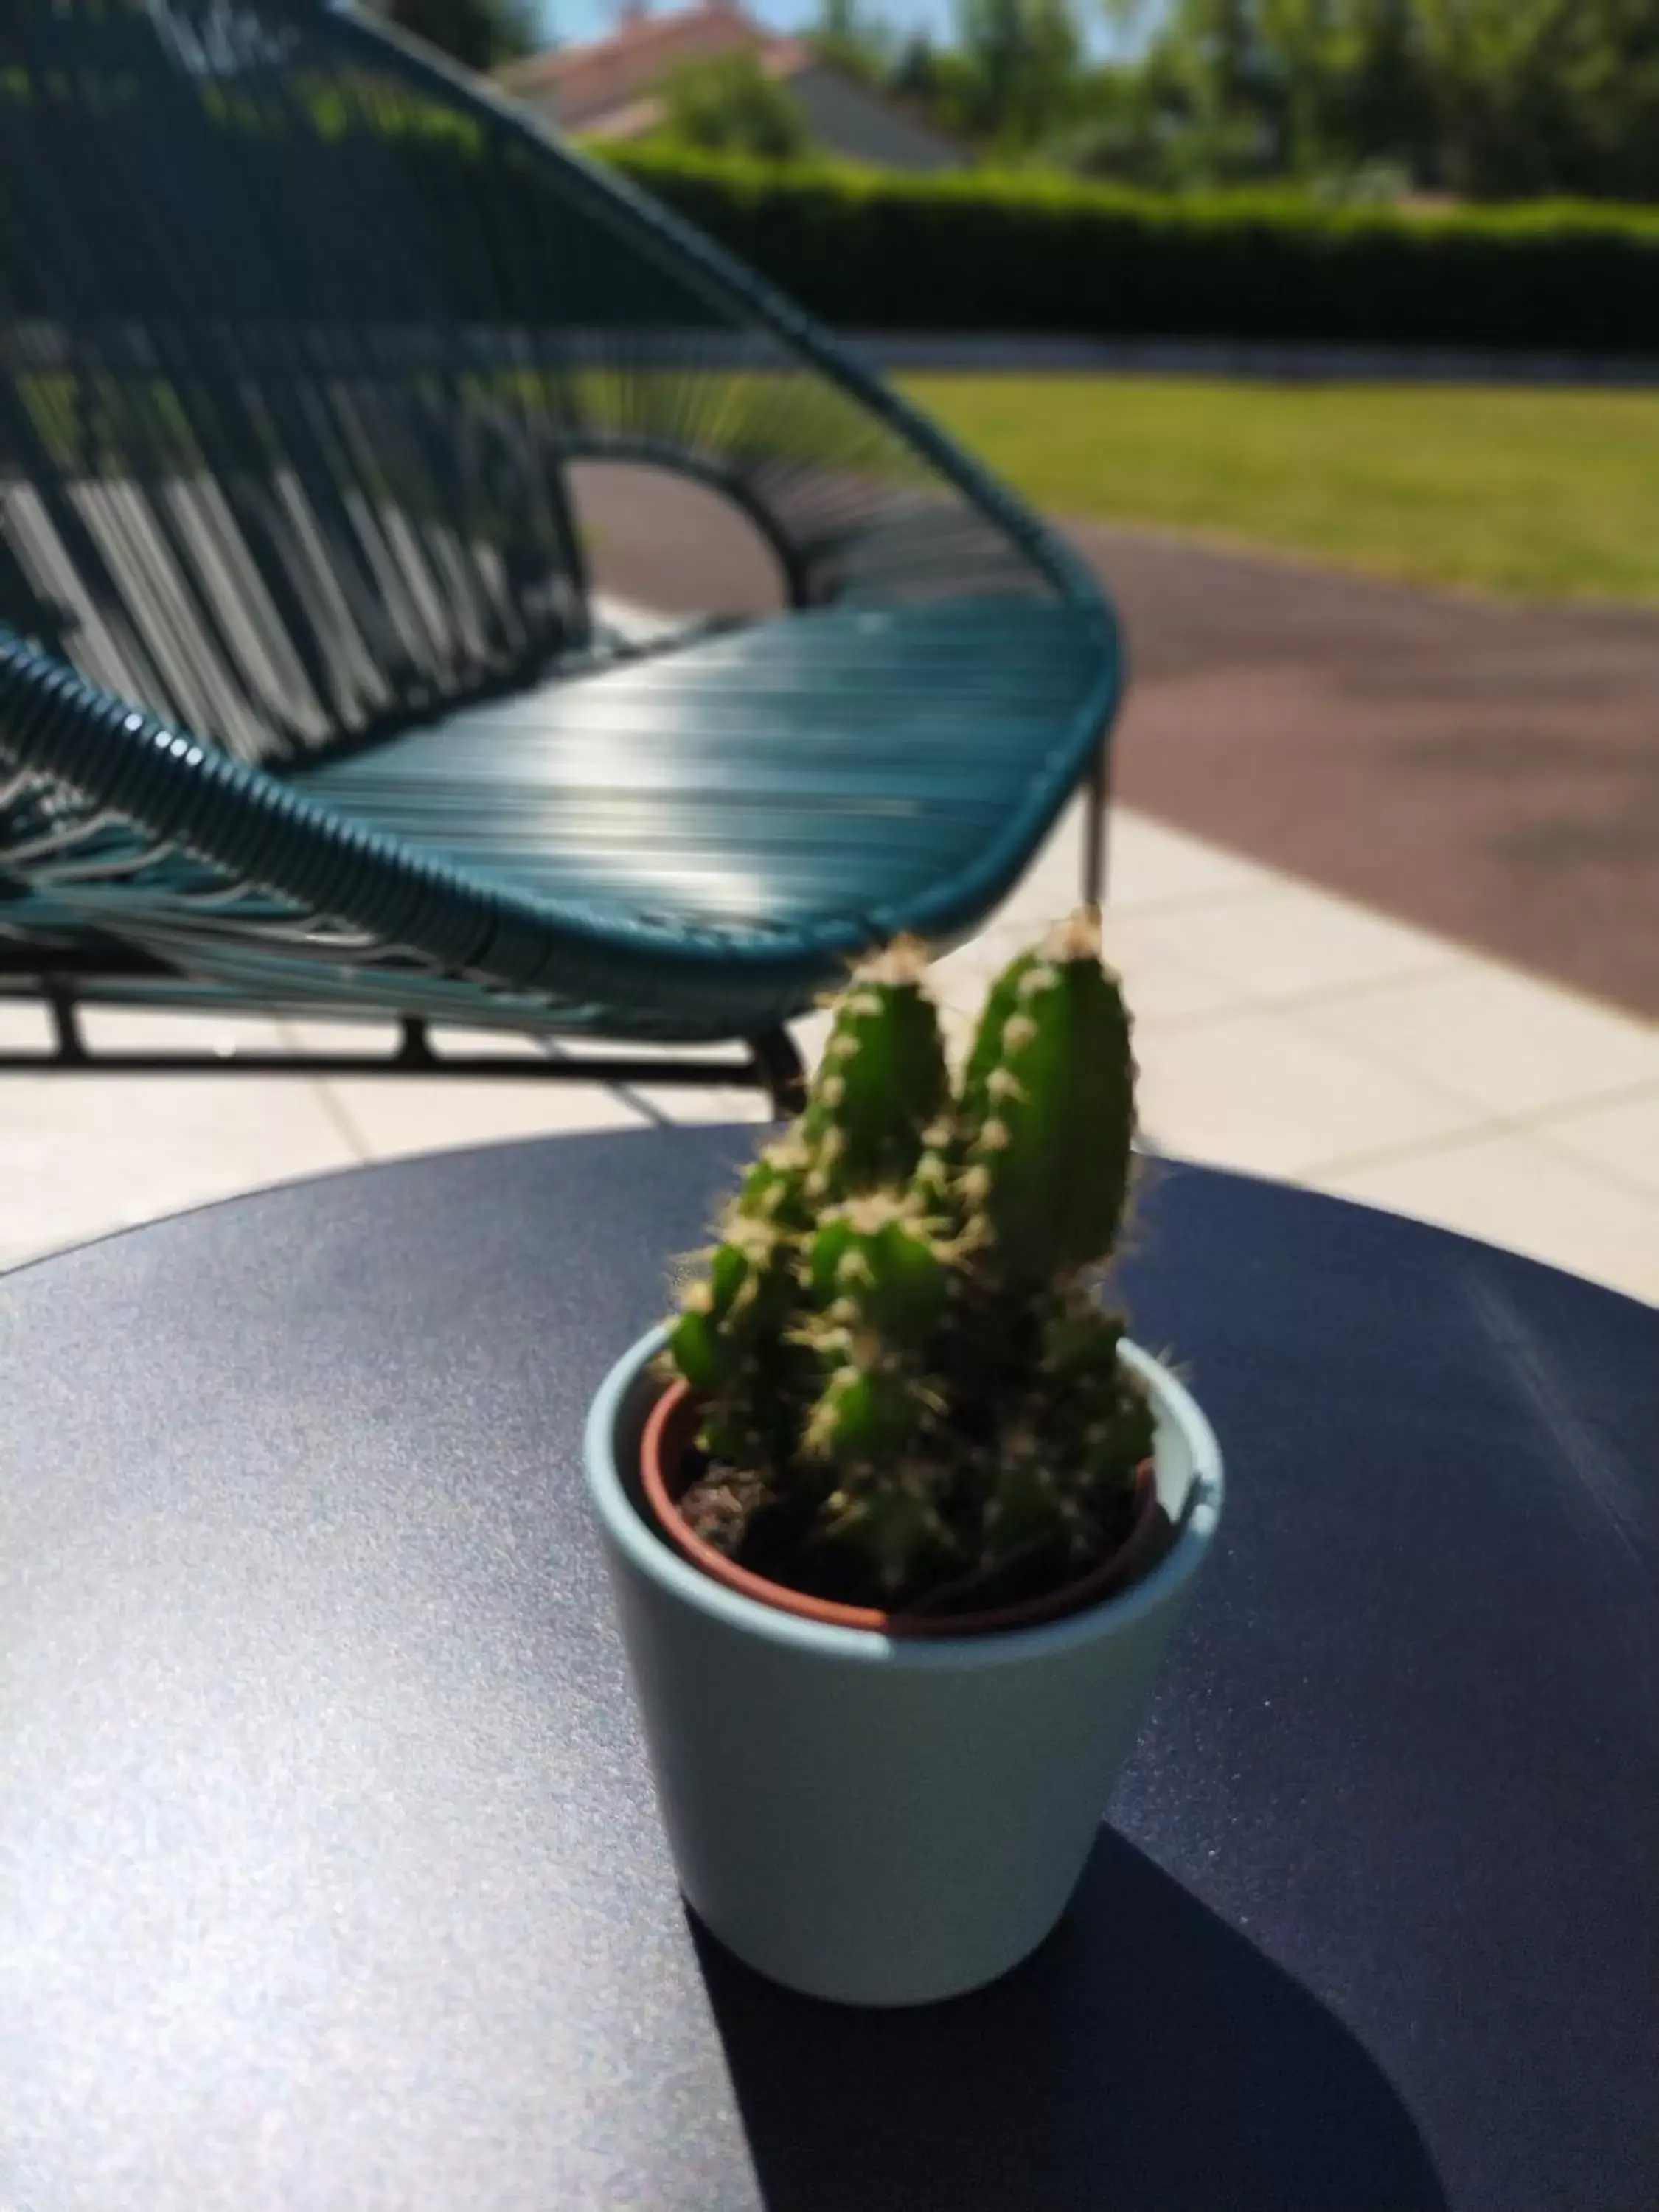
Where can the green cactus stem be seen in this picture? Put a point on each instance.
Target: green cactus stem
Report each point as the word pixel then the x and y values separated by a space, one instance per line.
pixel 1050 1161
pixel 873 1265
pixel 985 1055
pixel 736 1341
pixel 774 1189
pixel 882 1082
pixel 895 1523
pixel 870 1410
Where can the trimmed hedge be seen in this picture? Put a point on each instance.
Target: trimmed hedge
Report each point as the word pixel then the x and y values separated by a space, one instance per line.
pixel 1051 256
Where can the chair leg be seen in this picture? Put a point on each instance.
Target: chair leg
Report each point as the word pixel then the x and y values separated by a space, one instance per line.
pixel 71 1045
pixel 1094 826
pixel 778 1064
pixel 413 1045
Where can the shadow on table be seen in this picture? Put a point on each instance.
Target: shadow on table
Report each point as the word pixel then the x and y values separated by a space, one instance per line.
pixel 1146 2056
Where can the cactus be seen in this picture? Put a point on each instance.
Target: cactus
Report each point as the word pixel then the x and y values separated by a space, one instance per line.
pixel 875 1266
pixel 883 1079
pixel 1050 1124
pixel 906 1388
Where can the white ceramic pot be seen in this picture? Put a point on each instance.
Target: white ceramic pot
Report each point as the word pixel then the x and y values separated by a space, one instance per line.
pixel 874 1820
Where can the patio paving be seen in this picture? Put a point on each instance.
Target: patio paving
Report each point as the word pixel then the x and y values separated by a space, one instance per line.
pixel 1487 771
pixel 1279 1029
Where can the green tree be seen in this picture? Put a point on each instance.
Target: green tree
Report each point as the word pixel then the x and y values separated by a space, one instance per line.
pixel 1113 131
pixel 1214 95
pixel 1493 98
pixel 846 33
pixel 480 35
pixel 936 80
pixel 1383 108
pixel 915 73
pixel 730 105
pixel 1538 96
pixel 1022 61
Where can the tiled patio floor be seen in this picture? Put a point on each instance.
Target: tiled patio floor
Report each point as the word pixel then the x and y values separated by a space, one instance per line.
pixel 1279 1030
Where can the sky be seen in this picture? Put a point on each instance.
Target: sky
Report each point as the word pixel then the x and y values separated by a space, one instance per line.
pixel 574 20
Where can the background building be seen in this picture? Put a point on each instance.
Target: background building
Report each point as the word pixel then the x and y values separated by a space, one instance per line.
pixel 611 87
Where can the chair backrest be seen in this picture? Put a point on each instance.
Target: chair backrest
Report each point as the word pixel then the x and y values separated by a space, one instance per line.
pixel 297 329
pixel 256 474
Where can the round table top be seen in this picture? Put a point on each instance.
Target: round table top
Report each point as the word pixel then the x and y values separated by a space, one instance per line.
pixel 329 1871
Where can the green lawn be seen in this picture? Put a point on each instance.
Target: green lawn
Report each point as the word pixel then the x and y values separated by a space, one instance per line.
pixel 1532 494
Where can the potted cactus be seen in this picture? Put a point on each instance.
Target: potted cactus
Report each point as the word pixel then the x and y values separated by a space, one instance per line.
pixel 898 1519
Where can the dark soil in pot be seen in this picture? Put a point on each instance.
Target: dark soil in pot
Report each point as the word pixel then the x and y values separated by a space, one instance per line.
pixel 682 1488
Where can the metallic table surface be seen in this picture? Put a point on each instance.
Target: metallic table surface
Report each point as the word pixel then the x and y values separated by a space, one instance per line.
pixel 329 1872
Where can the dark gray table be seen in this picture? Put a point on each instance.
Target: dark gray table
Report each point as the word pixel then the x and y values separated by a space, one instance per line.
pixel 329 1877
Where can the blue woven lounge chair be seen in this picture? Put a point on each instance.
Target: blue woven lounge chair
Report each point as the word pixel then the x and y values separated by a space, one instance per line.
pixel 305 706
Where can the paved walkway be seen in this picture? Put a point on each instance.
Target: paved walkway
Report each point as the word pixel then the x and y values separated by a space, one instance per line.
pixel 1279 1029
pixel 1490 772
pixel 1278 361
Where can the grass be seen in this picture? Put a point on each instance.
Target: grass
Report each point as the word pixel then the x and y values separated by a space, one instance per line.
pixel 1544 494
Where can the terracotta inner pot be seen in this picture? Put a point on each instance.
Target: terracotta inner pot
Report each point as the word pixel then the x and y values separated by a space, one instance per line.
pixel 666 1473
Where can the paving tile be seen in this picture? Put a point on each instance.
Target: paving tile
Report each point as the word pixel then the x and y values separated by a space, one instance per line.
pixel 1159 986
pixel 1253 1089
pixel 83 1155
pixel 672 1107
pixel 393 1116
pixel 123 1028
pixel 341 1037
pixel 1505 1044
pixel 1151 866
pixel 24 1026
pixel 1621 1139
pixel 1513 1190
pixel 1287 943
pixel 1146 865
pixel 812 1034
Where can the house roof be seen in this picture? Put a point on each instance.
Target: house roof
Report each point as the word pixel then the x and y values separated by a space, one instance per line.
pixel 580 84
pixel 612 88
